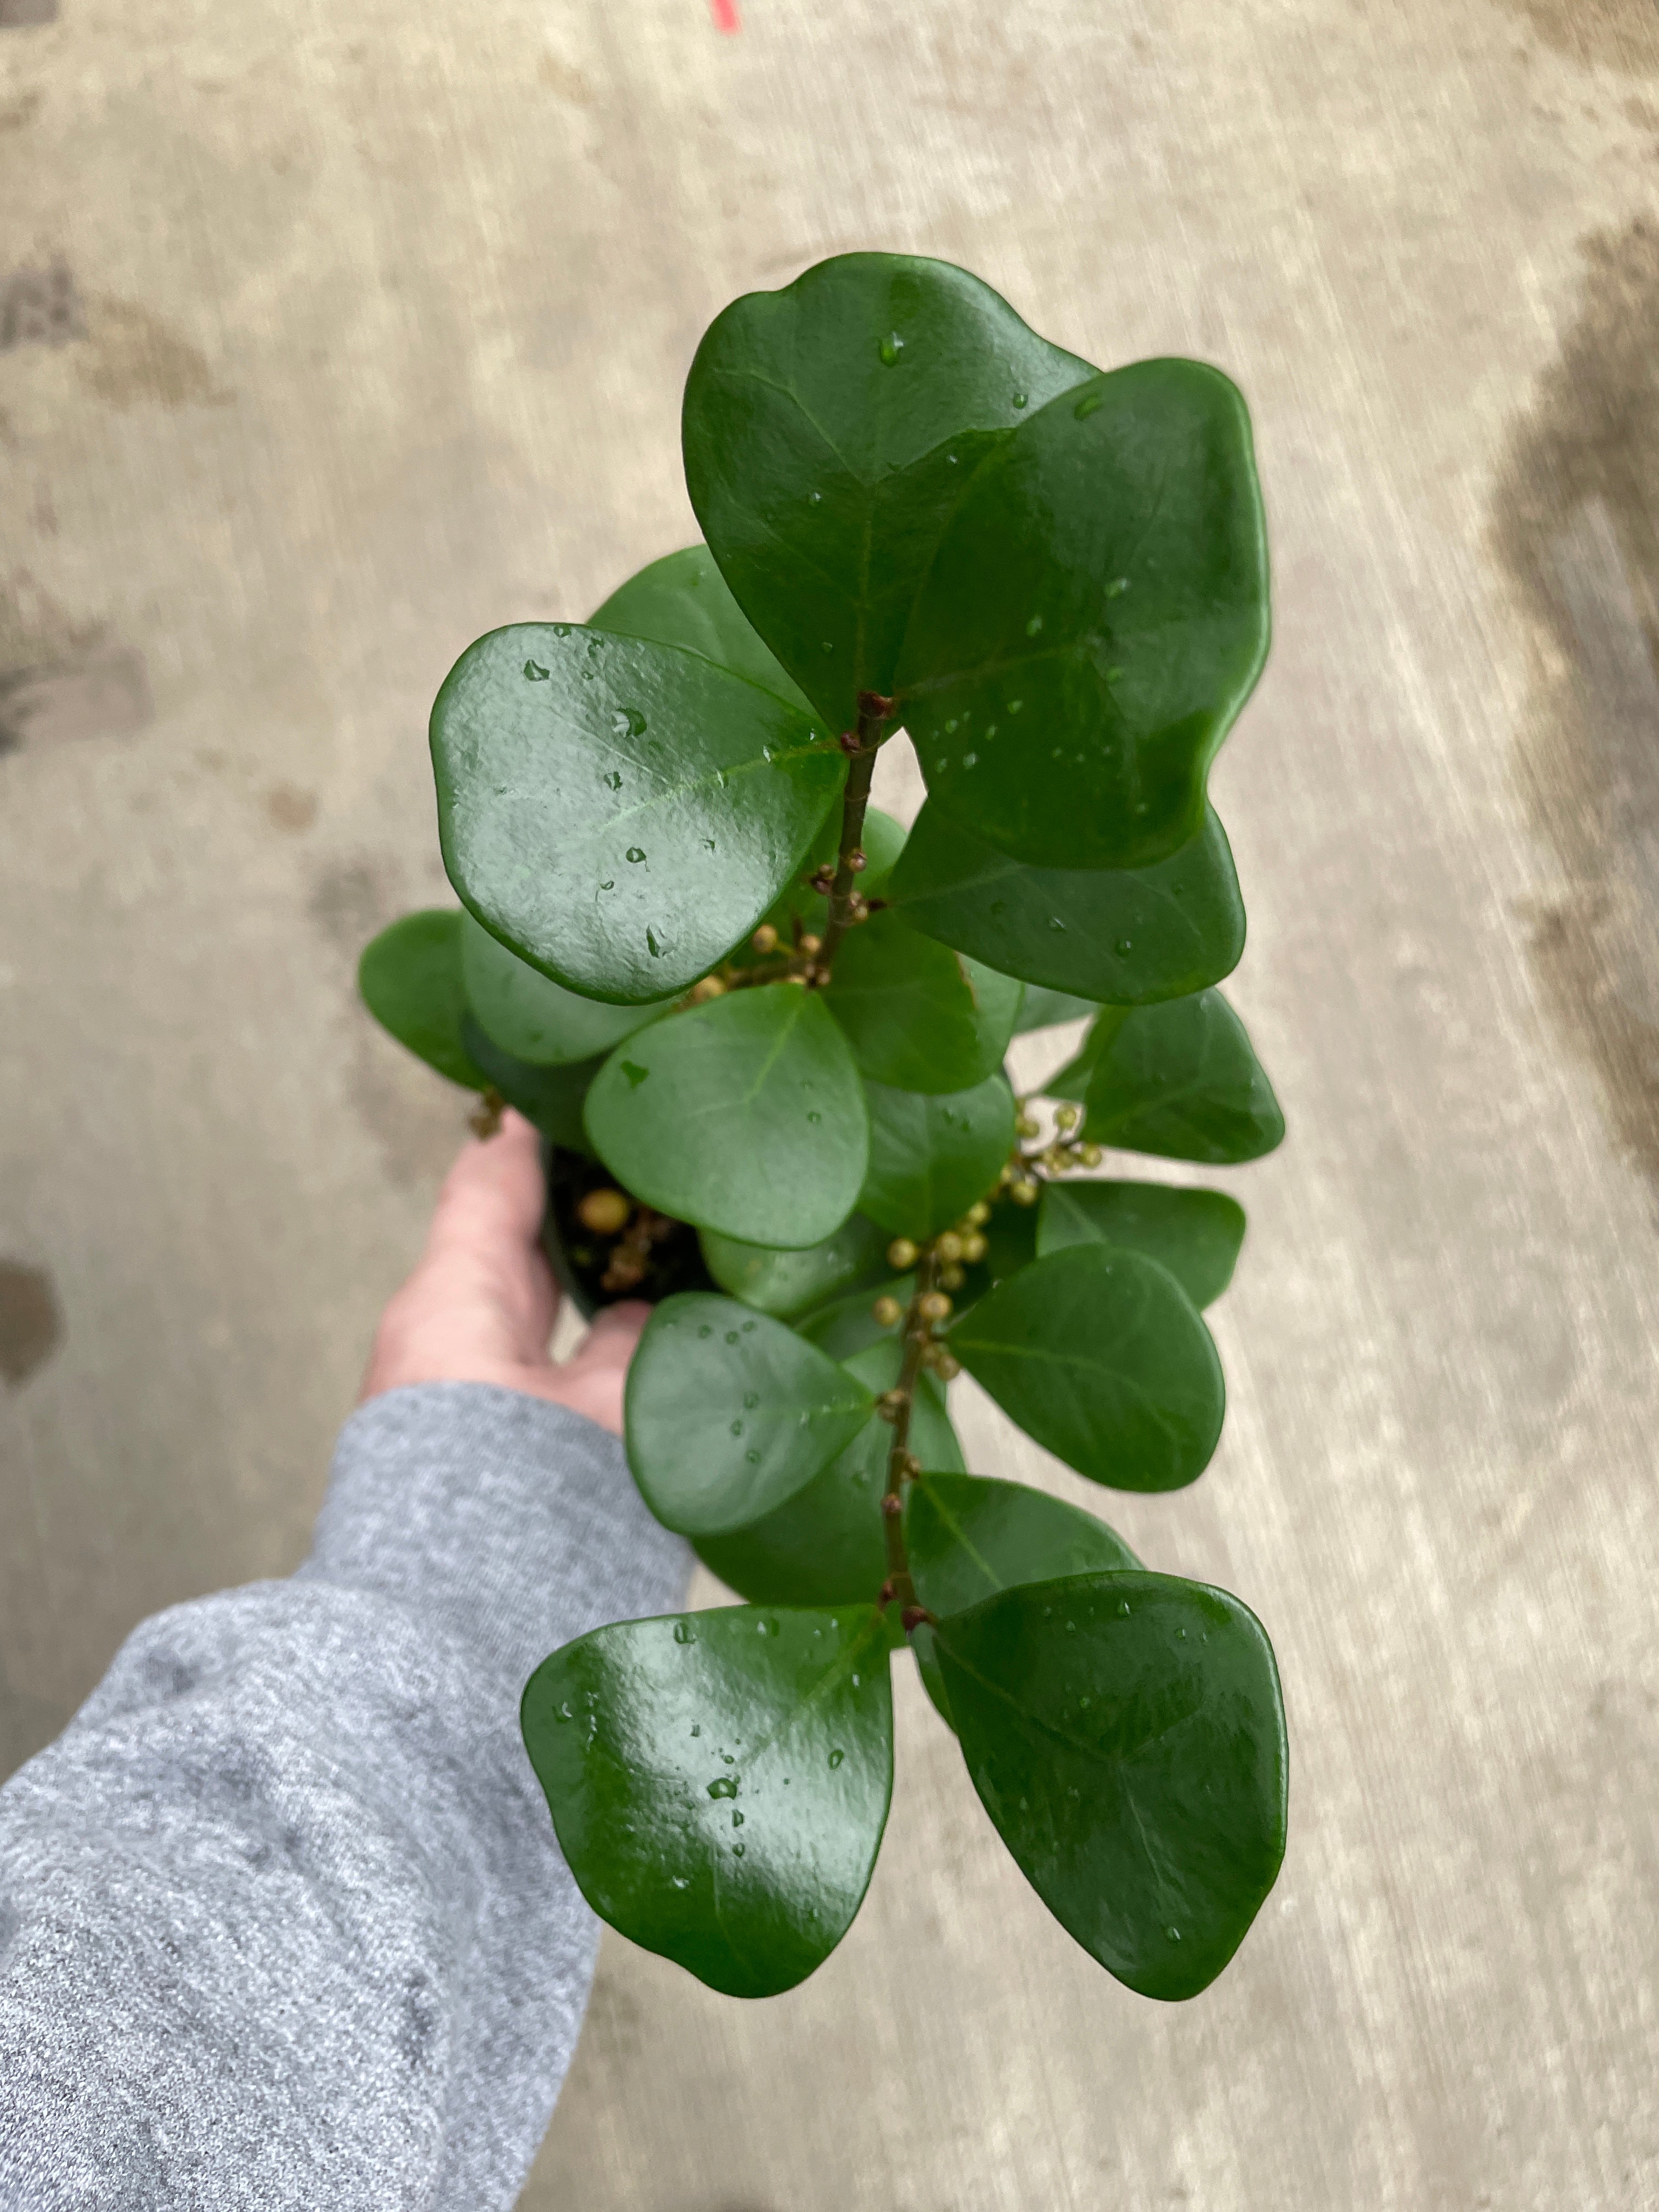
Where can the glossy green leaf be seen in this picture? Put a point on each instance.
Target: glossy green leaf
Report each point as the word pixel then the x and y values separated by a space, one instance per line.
pixel 621 812
pixel 829 430
pixel 409 977
pixel 918 1016
pixel 728 1412
pixel 719 1781
pixel 789 1283
pixel 744 1115
pixel 1195 1234
pixel 826 1544
pixel 1093 621
pixel 1101 1356
pixel 846 1326
pixel 1125 1735
pixel 683 599
pixel 1042 1009
pixel 932 1157
pixel 531 1017
pixel 970 1537
pixel 1180 1080
pixel 552 1097
pixel 1127 936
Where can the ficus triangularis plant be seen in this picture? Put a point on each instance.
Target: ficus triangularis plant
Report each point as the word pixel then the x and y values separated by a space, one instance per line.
pixel 762 1030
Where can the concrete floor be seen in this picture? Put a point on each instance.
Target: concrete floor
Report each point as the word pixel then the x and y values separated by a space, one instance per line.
pixel 331 337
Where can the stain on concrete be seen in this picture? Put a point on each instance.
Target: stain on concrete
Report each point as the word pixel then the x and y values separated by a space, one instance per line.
pixel 565 80
pixel 101 693
pixel 290 808
pixel 23 14
pixel 1622 35
pixel 135 360
pixel 1577 526
pixel 352 898
pixel 17 114
pixel 40 306
pixel 31 1326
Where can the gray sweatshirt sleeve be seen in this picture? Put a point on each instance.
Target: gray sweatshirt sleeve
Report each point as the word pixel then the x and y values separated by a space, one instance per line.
pixel 283 1920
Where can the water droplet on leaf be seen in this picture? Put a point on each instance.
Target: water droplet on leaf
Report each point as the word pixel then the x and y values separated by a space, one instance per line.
pixel 636 1075
pixel 535 671
pixel 836 1757
pixel 1020 398
pixel 1086 406
pixel 636 853
pixel 628 722
pixel 723 1785
pixel 1034 626
pixel 683 1632
pixel 891 347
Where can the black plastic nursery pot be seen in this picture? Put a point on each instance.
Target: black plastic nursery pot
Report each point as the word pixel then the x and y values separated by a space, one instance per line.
pixel 583 1259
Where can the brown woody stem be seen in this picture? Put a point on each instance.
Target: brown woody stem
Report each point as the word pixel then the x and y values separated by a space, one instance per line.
pixel 873 711
pixel 917 1332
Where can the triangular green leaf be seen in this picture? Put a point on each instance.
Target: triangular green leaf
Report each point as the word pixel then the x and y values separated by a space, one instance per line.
pixel 788 1283
pixel 409 977
pixel 970 1537
pixel 729 1413
pixel 1094 619
pixel 1128 936
pixel 1101 1356
pixel 683 599
pixel 1180 1080
pixel 719 1783
pixel 1195 1234
pixel 1125 1735
pixel 531 1017
pixel 621 812
pixel 932 1157
pixel 829 430
pixel 918 1016
pixel 825 1545
pixel 744 1115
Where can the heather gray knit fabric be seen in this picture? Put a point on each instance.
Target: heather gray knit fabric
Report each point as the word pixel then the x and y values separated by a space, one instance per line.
pixel 282 1921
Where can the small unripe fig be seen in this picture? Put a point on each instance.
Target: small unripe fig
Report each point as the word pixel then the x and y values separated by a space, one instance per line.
pixel 892 1503
pixel 857 862
pixel 604 1211
pixel 1026 1125
pixel 949 1246
pixel 901 1254
pixel 972 1248
pixel 1025 1194
pixel 765 939
pixel 1091 1156
pixel 952 1278
pixel 910 1466
pixel 914 1617
pixel 887 1311
pixel 795 977
pixel 1067 1119
pixel 710 987
pixel 935 1306
pixel 977 1213
pixel 947 1367
pixel 809 944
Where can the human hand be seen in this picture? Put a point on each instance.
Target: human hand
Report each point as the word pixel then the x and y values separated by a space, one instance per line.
pixel 480 1305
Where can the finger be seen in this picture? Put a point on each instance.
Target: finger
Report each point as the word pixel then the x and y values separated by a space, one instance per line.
pixel 494 1196
pixel 613 1335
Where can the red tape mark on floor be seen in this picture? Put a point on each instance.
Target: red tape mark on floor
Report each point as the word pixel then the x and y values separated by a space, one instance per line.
pixel 726 15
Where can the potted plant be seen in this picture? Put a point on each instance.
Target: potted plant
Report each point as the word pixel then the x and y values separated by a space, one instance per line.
pixel 762 1031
